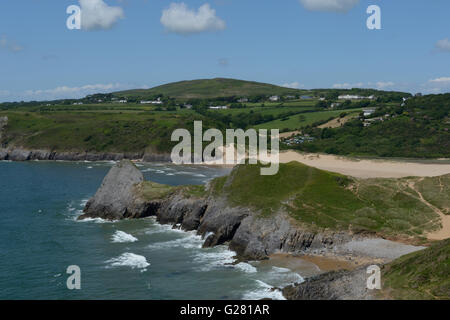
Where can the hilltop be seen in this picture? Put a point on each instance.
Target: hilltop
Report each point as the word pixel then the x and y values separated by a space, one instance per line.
pixel 226 88
pixel 209 88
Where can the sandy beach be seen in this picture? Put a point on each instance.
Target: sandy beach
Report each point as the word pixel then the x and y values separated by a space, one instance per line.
pixel 367 168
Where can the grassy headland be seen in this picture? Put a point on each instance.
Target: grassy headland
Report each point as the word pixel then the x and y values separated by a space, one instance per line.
pixel 325 200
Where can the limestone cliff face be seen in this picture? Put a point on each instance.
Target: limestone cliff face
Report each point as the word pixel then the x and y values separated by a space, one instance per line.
pixel 22 154
pixel 116 198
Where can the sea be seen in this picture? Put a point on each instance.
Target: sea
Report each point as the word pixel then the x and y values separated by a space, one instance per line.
pixel 40 238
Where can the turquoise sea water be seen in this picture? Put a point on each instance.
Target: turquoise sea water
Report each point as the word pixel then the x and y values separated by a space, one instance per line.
pixel 132 259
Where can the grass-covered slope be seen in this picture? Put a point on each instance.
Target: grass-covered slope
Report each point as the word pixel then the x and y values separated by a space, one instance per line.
pixel 325 200
pixel 209 88
pixel 95 132
pixel 421 275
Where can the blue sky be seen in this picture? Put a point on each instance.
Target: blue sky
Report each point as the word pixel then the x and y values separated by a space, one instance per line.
pixel 142 43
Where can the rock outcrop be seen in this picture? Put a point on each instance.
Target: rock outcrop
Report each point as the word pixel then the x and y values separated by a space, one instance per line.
pixel 335 285
pixel 3 123
pixel 116 199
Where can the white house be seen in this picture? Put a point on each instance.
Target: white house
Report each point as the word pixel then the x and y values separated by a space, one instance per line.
pixel 355 97
pixel 274 98
pixel 219 107
pixel 152 102
pixel 335 104
pixel 368 112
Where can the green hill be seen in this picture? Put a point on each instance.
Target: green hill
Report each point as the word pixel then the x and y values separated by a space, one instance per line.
pixel 420 275
pixel 210 88
pixel 326 200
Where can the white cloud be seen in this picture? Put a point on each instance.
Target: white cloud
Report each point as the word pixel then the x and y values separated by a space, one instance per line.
pixel 66 92
pixel 96 14
pixel 178 18
pixel 443 45
pixel 377 85
pixel 442 80
pixel 9 45
pixel 383 85
pixel 329 5
pixel 293 85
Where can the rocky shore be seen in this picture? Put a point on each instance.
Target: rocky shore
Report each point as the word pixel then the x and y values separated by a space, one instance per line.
pixel 22 154
pixel 125 194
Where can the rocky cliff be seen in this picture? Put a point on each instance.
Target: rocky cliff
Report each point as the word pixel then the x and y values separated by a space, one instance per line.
pixel 116 198
pixel 335 285
pixel 124 194
pixel 22 154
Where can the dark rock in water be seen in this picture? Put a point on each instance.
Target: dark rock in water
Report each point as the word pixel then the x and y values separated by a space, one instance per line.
pixel 116 199
pixel 336 285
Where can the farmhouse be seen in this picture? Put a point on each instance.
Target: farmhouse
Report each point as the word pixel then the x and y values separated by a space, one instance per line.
pixel 274 98
pixel 219 107
pixel 369 112
pixel 152 102
pixel 355 97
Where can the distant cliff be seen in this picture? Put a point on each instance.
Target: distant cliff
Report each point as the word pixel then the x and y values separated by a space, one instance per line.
pixel 23 154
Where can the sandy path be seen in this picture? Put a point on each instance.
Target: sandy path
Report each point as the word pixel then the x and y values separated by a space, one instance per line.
pixel 366 168
pixel 444 232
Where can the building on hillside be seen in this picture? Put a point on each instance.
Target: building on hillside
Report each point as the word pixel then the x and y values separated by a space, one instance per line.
pixel 274 98
pixel 355 97
pixel 369 112
pixel 335 105
pixel 243 100
pixel 158 101
pixel 218 107
pixel 306 97
pixel 123 101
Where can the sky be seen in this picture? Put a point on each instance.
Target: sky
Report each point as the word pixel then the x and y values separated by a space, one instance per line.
pixel 124 44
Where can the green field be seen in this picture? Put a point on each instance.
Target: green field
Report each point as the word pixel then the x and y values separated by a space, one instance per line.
pixel 298 121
